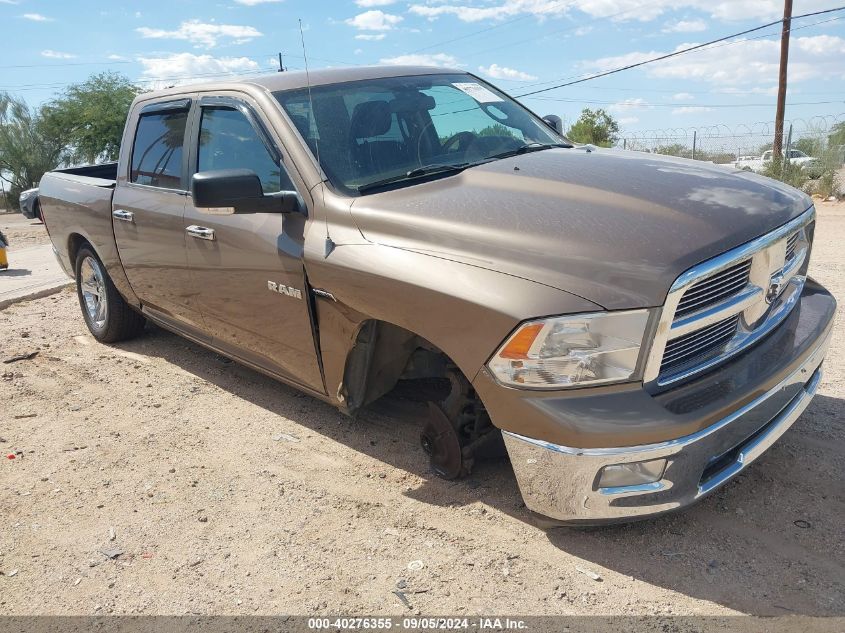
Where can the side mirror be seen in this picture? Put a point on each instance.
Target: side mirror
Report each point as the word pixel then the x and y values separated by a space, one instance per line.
pixel 554 122
pixel 227 191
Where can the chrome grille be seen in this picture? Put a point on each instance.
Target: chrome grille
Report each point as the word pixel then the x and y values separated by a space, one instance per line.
pixel 722 306
pixel 791 243
pixel 715 289
pixel 708 340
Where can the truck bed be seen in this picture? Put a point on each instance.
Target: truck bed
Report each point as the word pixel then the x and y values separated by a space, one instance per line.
pixel 76 204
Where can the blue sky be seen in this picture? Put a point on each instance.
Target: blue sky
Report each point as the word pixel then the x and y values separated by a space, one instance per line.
pixel 519 45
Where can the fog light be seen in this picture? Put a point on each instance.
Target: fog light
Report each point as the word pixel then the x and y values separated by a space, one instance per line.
pixel 633 474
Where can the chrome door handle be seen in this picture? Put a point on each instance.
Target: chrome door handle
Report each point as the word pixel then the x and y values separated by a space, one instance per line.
pixel 120 214
pixel 200 232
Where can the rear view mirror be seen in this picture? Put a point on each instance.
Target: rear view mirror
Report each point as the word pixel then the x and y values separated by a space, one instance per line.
pixel 227 191
pixel 554 122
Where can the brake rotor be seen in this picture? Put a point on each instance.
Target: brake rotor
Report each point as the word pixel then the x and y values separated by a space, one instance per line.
pixel 440 440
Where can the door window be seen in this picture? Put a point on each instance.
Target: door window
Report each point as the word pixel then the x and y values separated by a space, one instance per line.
pixel 229 141
pixel 157 152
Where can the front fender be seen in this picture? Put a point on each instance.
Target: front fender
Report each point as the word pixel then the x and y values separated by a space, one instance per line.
pixel 464 310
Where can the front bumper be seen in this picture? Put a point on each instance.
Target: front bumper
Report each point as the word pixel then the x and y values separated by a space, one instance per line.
pixel 563 482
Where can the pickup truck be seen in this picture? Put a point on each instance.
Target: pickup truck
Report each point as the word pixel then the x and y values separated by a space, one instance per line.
pixel 759 163
pixel 633 329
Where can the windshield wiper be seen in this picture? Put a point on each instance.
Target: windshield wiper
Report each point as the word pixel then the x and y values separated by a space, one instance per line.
pixel 528 147
pixel 419 172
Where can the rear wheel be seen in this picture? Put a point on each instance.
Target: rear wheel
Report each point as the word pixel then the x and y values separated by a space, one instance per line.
pixel 107 315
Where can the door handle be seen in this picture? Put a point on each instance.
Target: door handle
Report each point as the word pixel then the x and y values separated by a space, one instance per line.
pixel 200 232
pixel 120 214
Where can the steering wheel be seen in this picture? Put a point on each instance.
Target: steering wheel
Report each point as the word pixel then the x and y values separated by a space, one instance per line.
pixel 461 140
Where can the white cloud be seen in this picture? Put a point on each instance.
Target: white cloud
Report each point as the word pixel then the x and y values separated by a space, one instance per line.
pixel 691 110
pixel 617 10
pixel 628 120
pixel 203 34
pixel 631 104
pixel 36 17
pixel 252 3
pixel 373 3
pixel 374 21
pixel 117 58
pixel 436 59
pixel 682 96
pixel 744 63
pixel 685 26
pixel 186 68
pixel 370 37
pixel 56 54
pixel 502 72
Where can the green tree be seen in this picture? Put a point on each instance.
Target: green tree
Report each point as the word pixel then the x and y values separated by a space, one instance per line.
pixel 89 117
pixel 809 145
pixel 26 150
pixel 596 127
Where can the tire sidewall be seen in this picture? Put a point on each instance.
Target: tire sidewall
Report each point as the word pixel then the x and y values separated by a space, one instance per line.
pixel 98 332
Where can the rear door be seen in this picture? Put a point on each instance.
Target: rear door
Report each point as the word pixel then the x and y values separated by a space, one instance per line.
pixel 148 210
pixel 248 267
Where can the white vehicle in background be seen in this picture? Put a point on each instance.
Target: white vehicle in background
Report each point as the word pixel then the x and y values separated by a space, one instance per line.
pixel 758 164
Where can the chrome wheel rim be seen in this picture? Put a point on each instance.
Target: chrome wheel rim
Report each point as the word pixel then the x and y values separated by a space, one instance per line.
pixel 93 286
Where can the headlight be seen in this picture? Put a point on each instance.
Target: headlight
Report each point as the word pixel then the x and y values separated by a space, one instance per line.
pixel 25 195
pixel 572 351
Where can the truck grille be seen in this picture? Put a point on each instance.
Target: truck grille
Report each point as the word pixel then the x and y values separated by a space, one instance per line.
pixel 715 289
pixel 689 347
pixel 791 243
pixel 722 306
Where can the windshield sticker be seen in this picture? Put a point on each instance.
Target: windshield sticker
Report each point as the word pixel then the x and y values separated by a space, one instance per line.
pixel 478 92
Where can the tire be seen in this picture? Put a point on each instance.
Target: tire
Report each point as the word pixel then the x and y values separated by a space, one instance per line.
pixel 36 212
pixel 108 317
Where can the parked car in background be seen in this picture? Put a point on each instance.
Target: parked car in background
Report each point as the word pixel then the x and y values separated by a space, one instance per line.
pixel 30 204
pixel 638 328
pixel 758 164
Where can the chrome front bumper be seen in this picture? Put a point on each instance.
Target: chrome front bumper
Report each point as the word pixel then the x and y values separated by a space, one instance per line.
pixel 563 483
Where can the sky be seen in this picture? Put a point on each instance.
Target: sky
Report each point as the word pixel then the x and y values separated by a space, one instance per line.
pixel 519 45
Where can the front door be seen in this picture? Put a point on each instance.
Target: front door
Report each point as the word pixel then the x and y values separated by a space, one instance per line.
pixel 148 210
pixel 248 268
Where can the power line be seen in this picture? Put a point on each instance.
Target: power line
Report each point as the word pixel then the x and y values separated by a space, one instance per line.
pixel 674 54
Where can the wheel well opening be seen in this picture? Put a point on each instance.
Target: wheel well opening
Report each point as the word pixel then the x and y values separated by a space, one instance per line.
pixel 391 362
pixel 75 242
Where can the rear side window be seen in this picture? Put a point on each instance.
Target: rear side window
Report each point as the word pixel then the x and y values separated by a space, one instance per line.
pixel 157 152
pixel 228 141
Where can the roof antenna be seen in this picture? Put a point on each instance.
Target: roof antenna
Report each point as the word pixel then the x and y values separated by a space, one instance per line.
pixel 329 244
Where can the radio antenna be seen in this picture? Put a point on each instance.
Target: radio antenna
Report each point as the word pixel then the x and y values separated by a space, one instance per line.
pixel 329 245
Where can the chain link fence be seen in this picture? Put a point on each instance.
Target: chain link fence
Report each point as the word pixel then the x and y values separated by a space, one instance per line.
pixel 814 149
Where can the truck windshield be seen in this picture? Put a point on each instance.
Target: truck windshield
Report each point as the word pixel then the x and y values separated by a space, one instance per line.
pixel 394 131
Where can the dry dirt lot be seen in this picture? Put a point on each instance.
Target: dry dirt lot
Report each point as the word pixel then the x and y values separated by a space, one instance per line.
pixel 22 232
pixel 174 457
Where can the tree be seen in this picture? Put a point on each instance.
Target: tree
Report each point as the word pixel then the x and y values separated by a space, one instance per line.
pixel 596 127
pixel 809 145
pixel 26 150
pixel 89 117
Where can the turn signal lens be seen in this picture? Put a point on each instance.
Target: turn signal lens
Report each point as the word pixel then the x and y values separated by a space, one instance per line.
pixel 572 351
pixel 520 343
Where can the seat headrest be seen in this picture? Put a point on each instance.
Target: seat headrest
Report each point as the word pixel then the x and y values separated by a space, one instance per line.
pixel 371 118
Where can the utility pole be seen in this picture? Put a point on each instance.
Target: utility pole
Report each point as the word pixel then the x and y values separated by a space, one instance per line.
pixel 777 145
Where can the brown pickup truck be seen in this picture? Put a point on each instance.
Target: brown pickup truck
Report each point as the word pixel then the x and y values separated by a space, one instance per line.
pixel 638 329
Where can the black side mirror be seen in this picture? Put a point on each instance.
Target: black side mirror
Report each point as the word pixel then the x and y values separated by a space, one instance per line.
pixel 554 122
pixel 227 191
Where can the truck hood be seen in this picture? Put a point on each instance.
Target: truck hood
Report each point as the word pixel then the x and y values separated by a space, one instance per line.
pixel 614 227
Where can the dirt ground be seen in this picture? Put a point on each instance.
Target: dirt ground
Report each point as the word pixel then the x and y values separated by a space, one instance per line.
pixel 228 493
pixel 22 232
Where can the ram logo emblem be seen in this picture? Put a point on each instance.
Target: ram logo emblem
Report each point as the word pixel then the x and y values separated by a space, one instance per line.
pixel 282 289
